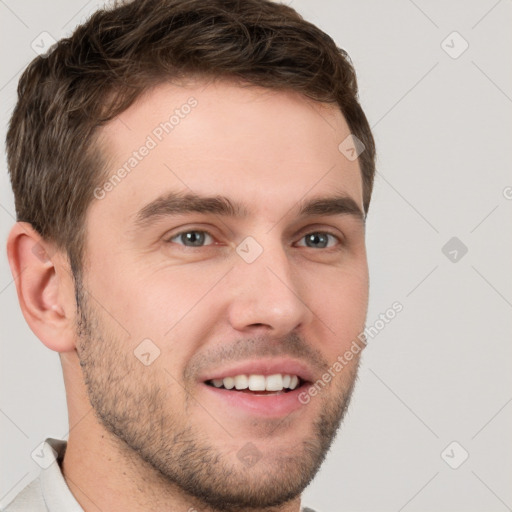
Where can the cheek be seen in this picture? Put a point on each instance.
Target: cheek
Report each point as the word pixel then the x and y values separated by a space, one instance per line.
pixel 341 304
pixel 147 299
pixel 172 308
pixel 165 299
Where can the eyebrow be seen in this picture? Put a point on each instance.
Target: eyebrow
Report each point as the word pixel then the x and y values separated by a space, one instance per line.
pixel 174 203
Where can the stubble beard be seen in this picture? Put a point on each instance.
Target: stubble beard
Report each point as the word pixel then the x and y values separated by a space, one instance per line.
pixel 130 403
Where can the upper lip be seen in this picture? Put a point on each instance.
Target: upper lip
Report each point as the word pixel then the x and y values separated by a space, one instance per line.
pixel 262 366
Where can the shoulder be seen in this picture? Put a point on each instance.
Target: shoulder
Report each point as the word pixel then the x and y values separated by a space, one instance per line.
pixel 49 491
pixel 29 499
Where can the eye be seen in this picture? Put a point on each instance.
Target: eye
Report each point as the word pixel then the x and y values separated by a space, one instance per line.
pixel 319 240
pixel 192 238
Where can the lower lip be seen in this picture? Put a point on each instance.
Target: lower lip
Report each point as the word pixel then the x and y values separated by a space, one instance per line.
pixel 271 406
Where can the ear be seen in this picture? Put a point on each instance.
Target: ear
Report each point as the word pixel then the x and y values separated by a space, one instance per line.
pixel 45 287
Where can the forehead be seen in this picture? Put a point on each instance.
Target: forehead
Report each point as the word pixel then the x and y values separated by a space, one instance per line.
pixel 266 148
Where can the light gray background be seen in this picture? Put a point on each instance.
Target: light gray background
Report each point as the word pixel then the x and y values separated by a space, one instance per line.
pixel 441 370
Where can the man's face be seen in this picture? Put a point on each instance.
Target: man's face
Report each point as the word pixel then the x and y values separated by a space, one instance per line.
pixel 177 303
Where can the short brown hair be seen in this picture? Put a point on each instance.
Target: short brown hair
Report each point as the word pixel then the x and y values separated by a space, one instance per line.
pixel 109 61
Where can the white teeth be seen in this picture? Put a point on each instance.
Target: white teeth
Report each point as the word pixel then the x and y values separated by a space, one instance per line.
pixel 294 382
pixel 241 382
pixel 229 382
pixel 275 382
pixel 257 382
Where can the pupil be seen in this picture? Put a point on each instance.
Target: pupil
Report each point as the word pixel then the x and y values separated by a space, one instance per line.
pixel 318 239
pixel 194 237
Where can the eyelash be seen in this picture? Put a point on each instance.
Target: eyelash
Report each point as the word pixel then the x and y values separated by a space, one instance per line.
pixel 324 232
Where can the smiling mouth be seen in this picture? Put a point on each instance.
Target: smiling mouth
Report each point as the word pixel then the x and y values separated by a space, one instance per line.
pixel 257 384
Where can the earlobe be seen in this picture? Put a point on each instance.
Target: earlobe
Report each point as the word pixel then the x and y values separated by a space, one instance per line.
pixel 44 286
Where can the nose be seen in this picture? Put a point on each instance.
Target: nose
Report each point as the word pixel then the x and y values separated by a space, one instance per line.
pixel 268 294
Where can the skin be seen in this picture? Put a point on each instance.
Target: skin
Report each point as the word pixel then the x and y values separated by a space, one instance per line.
pixel 150 437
